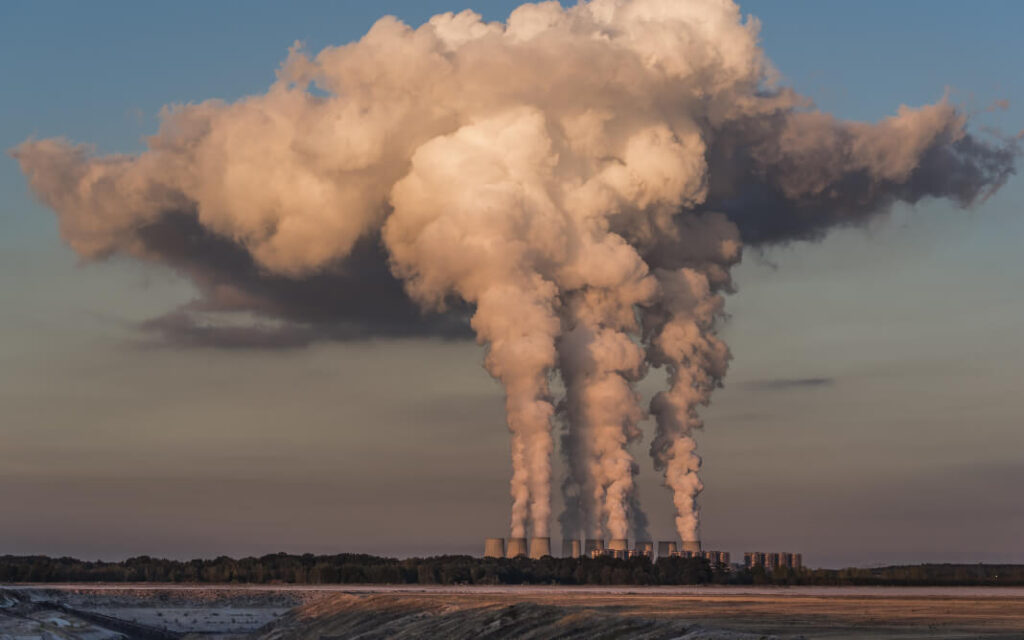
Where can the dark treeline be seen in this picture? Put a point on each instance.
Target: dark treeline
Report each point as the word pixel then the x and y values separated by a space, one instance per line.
pixel 451 570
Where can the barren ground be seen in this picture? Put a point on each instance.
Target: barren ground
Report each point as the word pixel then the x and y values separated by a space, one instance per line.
pixel 369 612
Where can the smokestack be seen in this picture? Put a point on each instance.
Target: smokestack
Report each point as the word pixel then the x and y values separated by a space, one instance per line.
pixel 516 547
pixel 666 548
pixel 494 548
pixel 692 546
pixel 593 544
pixel 540 547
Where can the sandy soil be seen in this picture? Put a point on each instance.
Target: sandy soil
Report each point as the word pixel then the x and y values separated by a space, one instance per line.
pixel 709 613
pixel 779 613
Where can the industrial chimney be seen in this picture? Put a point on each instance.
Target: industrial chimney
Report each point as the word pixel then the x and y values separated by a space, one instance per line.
pixel 666 548
pixel 494 548
pixel 540 547
pixel 516 547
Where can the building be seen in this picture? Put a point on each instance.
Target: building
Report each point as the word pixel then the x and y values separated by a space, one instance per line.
pixel 619 548
pixel 713 557
pixel 716 557
pixel 753 559
pixel 773 561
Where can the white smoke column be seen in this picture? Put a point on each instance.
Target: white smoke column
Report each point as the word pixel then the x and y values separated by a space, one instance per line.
pixel 599 363
pixel 461 217
pixel 683 340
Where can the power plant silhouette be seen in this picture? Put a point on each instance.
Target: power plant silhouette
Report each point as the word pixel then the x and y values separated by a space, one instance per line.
pixel 537 548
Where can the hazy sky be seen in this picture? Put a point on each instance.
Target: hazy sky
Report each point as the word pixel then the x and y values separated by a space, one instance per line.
pixel 873 411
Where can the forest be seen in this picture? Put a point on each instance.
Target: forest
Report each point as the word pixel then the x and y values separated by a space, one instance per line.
pixel 347 568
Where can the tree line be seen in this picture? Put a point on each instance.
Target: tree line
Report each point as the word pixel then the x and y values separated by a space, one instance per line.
pixel 347 568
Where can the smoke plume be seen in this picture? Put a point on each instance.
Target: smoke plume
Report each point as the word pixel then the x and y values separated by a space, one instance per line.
pixel 575 183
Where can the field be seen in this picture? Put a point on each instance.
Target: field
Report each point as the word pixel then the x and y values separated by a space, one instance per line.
pixel 370 612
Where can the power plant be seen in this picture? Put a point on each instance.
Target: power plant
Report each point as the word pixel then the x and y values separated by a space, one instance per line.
pixel 539 547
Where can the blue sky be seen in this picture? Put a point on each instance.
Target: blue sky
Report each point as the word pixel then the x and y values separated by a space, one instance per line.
pixel 909 449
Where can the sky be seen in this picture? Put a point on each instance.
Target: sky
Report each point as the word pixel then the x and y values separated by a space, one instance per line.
pixel 871 413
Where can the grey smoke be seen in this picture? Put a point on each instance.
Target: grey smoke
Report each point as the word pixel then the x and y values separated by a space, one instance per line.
pixel 356 298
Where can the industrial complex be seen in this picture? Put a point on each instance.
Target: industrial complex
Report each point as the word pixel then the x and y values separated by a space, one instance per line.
pixel 619 548
pixel 771 561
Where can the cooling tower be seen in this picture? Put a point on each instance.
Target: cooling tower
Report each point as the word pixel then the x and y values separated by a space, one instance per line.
pixel 516 547
pixel 618 544
pixel 692 546
pixel 645 547
pixel 593 544
pixel 570 548
pixel 540 547
pixel 494 548
pixel 666 548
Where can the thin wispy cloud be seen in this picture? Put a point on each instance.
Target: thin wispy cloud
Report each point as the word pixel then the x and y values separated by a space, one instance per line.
pixel 786 384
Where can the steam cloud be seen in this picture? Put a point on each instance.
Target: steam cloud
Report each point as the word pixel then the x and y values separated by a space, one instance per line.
pixel 579 181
